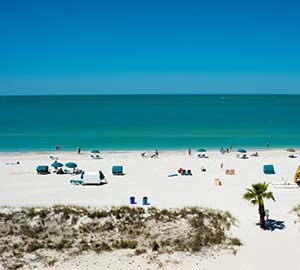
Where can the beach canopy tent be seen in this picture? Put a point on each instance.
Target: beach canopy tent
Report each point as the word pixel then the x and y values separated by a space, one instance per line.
pixel 71 165
pixel 242 150
pixel 269 169
pixel 57 164
pixel 291 150
pixel 201 150
pixel 95 151
pixel 42 169
pixel 117 170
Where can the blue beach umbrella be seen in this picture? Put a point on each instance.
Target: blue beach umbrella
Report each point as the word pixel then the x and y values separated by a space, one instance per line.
pixel 201 150
pixel 95 151
pixel 57 164
pixel 71 165
pixel 242 150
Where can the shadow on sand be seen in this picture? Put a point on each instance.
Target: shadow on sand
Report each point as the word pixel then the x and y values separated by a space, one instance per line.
pixel 275 224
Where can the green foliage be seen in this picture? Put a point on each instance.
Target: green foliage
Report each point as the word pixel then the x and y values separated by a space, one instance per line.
pixel 257 193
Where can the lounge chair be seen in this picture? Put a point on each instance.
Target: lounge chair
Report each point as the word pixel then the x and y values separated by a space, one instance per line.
pixel 232 172
pixel 189 172
pixel 53 157
pixel 183 172
pixel 227 172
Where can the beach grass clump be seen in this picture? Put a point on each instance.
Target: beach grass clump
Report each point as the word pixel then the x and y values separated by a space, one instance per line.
pixel 296 211
pixel 28 235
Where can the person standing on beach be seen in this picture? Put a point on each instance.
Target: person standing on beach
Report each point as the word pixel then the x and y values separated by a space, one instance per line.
pixel 78 150
pixel 156 153
pixel 221 165
pixel 190 151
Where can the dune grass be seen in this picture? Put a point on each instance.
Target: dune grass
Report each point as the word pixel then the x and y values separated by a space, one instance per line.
pixel 48 234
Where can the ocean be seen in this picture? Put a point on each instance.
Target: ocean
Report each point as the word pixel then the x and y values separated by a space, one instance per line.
pixel 142 122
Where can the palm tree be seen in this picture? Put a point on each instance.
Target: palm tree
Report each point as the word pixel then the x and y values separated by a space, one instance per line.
pixel 256 195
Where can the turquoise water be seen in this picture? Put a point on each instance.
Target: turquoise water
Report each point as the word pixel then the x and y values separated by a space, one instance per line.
pixel 148 122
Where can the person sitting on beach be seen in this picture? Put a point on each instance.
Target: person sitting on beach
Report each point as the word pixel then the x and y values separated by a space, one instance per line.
pixel 203 169
pixel 255 154
pixel 143 154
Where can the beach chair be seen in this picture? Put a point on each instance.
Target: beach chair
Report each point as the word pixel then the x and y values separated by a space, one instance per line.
pixel 189 172
pixel 145 201
pixel 53 157
pixel 183 172
pixel 232 172
pixel 132 200
pixel 227 172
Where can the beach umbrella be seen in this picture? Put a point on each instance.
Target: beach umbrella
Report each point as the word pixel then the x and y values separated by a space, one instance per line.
pixel 71 165
pixel 95 151
pixel 242 150
pixel 201 150
pixel 290 150
pixel 57 164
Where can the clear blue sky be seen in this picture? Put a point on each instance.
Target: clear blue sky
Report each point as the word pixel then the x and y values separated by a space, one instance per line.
pixel 143 46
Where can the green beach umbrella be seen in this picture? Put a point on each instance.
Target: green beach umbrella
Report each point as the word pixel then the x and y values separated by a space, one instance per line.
pixel 242 150
pixel 57 164
pixel 95 151
pixel 201 150
pixel 71 165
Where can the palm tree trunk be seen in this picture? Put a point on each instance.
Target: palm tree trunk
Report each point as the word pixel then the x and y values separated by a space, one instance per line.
pixel 261 211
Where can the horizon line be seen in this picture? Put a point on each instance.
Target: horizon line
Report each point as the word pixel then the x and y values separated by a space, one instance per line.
pixel 154 94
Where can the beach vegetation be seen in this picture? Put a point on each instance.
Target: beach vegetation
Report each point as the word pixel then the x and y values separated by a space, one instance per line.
pixel 256 195
pixel 66 231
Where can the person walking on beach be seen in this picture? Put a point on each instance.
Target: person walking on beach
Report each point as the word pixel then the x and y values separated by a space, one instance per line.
pixel 190 151
pixel 156 153
pixel 221 165
pixel 78 150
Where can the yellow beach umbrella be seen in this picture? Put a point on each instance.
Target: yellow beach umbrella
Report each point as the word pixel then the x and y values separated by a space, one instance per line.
pixel 290 150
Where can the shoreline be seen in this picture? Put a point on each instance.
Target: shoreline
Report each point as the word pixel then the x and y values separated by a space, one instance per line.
pixel 208 150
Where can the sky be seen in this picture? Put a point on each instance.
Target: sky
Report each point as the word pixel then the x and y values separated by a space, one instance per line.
pixel 149 47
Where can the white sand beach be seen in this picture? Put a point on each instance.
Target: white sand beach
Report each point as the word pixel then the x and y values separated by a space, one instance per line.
pixel 21 186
